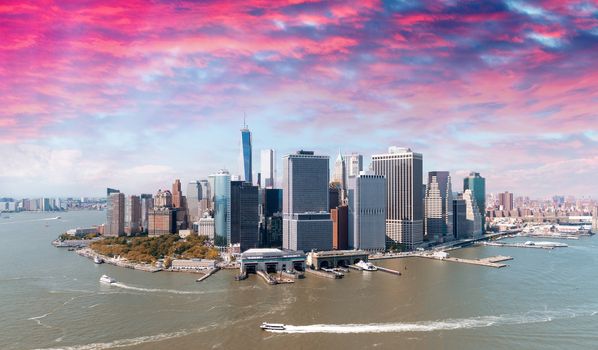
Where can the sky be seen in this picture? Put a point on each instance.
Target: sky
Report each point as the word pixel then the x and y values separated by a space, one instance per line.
pixel 133 94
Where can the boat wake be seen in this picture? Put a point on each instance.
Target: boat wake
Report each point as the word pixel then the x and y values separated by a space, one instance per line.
pixel 446 325
pixel 155 290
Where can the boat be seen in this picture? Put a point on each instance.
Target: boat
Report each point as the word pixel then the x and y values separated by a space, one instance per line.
pixel 98 260
pixel 273 326
pixel 367 266
pixel 57 218
pixel 107 279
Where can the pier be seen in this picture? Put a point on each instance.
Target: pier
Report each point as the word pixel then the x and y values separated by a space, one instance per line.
pixel 208 274
pixel 324 274
pixel 269 279
pixel 534 245
pixel 493 261
pixel 384 269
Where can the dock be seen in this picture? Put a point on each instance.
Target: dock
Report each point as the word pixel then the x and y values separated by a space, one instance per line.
pixel 493 261
pixel 384 269
pixel 324 274
pixel 208 274
pixel 269 279
pixel 523 245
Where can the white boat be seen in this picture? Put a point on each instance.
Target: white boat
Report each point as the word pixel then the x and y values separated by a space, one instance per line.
pixel 98 260
pixel 367 266
pixel 57 218
pixel 107 279
pixel 273 326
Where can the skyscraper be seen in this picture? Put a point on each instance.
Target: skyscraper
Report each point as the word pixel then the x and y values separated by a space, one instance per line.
pixel 246 171
pixel 354 164
pixel 306 221
pixel 115 214
pixel 206 197
pixel 439 207
pixel 177 194
pixel 472 215
pixel 461 228
pixel 268 168
pixel 194 195
pixel 220 185
pixel 147 203
pixel 505 201
pixel 339 173
pixel 403 170
pixel 367 212
pixel 244 214
pixel 132 215
pixel 477 185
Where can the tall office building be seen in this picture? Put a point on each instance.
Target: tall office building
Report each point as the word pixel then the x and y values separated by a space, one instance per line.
pixel 439 207
pixel 205 204
pixel 367 212
pixel 339 173
pixel 505 201
pixel 245 159
pixel 354 164
pixel 179 202
pixel 133 215
pixel 163 199
pixel 472 214
pixel 115 215
pixel 271 218
pixel 403 170
pixel 340 227
pixel 147 204
pixel 306 221
pixel 595 220
pixel 194 196
pixel 460 226
pixel 477 185
pixel 177 194
pixel 244 214
pixel 268 168
pixel 221 199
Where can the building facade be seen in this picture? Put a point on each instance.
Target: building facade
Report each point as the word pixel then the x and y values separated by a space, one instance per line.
pixel 340 227
pixel 147 204
pixel 205 227
pixel 472 215
pixel 477 185
pixel 194 195
pixel 367 212
pixel 461 228
pixel 244 215
pixel 354 164
pixel 268 168
pixel 306 220
pixel 133 222
pixel 505 201
pixel 403 170
pixel 115 215
pixel 439 207
pixel 220 185
pixel 246 155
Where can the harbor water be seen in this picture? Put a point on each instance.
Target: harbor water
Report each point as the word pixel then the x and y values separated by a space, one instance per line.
pixel 51 298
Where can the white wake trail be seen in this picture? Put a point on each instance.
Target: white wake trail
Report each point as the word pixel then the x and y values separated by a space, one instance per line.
pixel 430 326
pixel 155 290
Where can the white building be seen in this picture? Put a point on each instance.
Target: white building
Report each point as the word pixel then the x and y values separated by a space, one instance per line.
pixel 367 212
pixel 439 207
pixel 404 199
pixel 205 227
pixel 192 264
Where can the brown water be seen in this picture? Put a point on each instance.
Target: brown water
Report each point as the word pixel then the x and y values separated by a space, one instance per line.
pixel 51 298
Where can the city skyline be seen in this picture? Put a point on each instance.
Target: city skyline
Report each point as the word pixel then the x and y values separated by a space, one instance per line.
pixel 504 88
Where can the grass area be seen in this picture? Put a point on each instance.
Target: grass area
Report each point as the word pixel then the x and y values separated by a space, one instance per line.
pixel 150 249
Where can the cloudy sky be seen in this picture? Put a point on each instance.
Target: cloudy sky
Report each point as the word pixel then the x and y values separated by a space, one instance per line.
pixel 132 94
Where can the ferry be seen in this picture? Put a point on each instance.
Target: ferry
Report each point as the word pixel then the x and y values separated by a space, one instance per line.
pixel 98 260
pixel 107 279
pixel 57 218
pixel 367 266
pixel 273 326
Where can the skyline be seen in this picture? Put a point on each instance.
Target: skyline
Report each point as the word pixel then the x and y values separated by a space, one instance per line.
pixel 95 97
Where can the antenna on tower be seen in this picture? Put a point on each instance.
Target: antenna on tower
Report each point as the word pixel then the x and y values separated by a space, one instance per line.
pixel 244 120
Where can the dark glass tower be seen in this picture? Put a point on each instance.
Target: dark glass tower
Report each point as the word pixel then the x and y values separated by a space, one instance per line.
pixel 246 161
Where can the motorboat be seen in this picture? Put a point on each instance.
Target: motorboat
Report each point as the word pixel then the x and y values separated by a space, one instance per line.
pixel 273 326
pixel 367 266
pixel 57 218
pixel 107 279
pixel 98 260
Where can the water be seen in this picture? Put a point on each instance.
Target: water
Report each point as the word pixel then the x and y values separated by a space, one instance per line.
pixel 51 298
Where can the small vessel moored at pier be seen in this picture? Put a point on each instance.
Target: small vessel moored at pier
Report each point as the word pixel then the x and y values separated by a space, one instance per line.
pixel 273 326
pixel 107 279
pixel 367 266
pixel 98 260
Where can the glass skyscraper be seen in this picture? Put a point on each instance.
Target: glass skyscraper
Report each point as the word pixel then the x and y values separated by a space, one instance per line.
pixel 477 185
pixel 246 169
pixel 220 184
